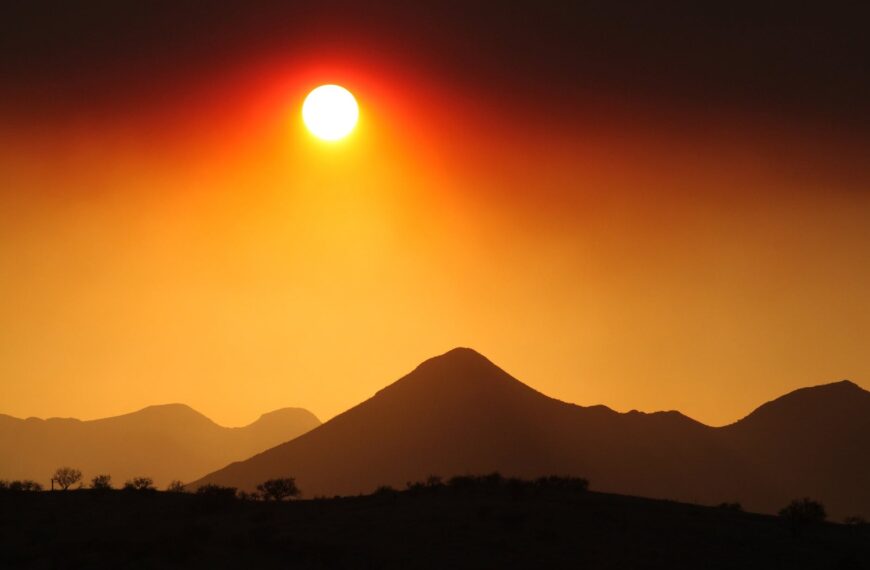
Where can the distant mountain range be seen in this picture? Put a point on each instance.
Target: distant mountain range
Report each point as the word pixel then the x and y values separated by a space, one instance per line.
pixel 165 442
pixel 459 413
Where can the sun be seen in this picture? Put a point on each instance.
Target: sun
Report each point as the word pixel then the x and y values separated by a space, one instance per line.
pixel 330 112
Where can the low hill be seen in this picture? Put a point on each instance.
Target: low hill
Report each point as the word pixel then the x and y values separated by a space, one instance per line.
pixel 459 413
pixel 164 442
pixel 445 527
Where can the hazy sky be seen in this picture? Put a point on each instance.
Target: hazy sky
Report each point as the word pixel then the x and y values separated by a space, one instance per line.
pixel 648 209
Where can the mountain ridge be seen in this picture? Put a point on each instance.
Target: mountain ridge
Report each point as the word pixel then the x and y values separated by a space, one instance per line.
pixel 163 441
pixel 460 413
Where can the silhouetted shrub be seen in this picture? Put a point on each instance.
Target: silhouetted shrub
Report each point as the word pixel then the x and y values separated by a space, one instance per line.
pixel 175 486
pixel 245 496
pixel 434 481
pixel 385 491
pixel 216 491
pixel 735 506
pixel 101 482
pixel 802 513
pixel 139 484
pixel 469 482
pixel 492 480
pixel 462 482
pixel 575 484
pixel 855 521
pixel 66 477
pixel 515 486
pixel 4 485
pixel 25 485
pixel 215 497
pixel 278 489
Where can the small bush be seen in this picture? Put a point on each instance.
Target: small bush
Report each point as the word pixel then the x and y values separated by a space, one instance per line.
pixel 735 506
pixel 175 486
pixel 25 485
pixel 279 489
pixel 493 479
pixel 216 491
pixel 575 484
pixel 101 482
pixel 139 484
pixel 802 513
pixel 855 521
pixel 462 482
pixel 385 491
pixel 245 496
pixel 434 481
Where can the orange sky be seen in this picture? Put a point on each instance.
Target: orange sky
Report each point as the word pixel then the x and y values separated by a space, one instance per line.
pixel 207 250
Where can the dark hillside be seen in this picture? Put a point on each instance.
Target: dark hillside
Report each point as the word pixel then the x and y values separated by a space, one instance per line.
pixel 442 527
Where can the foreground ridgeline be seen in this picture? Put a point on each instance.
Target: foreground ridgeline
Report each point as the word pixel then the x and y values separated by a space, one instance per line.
pixel 468 521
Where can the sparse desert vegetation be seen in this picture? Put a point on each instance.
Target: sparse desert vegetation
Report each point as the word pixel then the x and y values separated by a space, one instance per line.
pixel 468 521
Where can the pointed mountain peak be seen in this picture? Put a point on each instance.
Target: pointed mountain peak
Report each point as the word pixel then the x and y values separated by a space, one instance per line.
pixel 457 374
pixel 458 357
pixel 459 364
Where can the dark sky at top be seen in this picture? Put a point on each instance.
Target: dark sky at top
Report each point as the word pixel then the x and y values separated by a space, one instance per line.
pixel 801 60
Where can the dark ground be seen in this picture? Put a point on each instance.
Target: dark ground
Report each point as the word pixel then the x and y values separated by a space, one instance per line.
pixel 431 528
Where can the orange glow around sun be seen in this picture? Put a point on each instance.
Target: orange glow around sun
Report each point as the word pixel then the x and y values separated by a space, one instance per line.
pixel 210 247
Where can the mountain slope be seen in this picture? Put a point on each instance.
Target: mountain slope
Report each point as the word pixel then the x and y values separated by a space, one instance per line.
pixel 459 413
pixel 813 441
pixel 165 442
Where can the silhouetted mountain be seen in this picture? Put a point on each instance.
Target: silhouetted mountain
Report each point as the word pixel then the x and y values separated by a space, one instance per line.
pixel 459 413
pixel 166 442
pixel 813 441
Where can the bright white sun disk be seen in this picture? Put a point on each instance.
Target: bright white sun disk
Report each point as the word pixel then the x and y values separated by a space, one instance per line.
pixel 330 112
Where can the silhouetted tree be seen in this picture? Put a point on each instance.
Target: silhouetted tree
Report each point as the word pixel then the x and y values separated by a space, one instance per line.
pixel 802 513
pixel 139 484
pixel 175 486
pixel 66 476
pixel 279 489
pixel 101 482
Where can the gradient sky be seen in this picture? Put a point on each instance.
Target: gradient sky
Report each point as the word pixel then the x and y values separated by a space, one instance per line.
pixel 647 208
